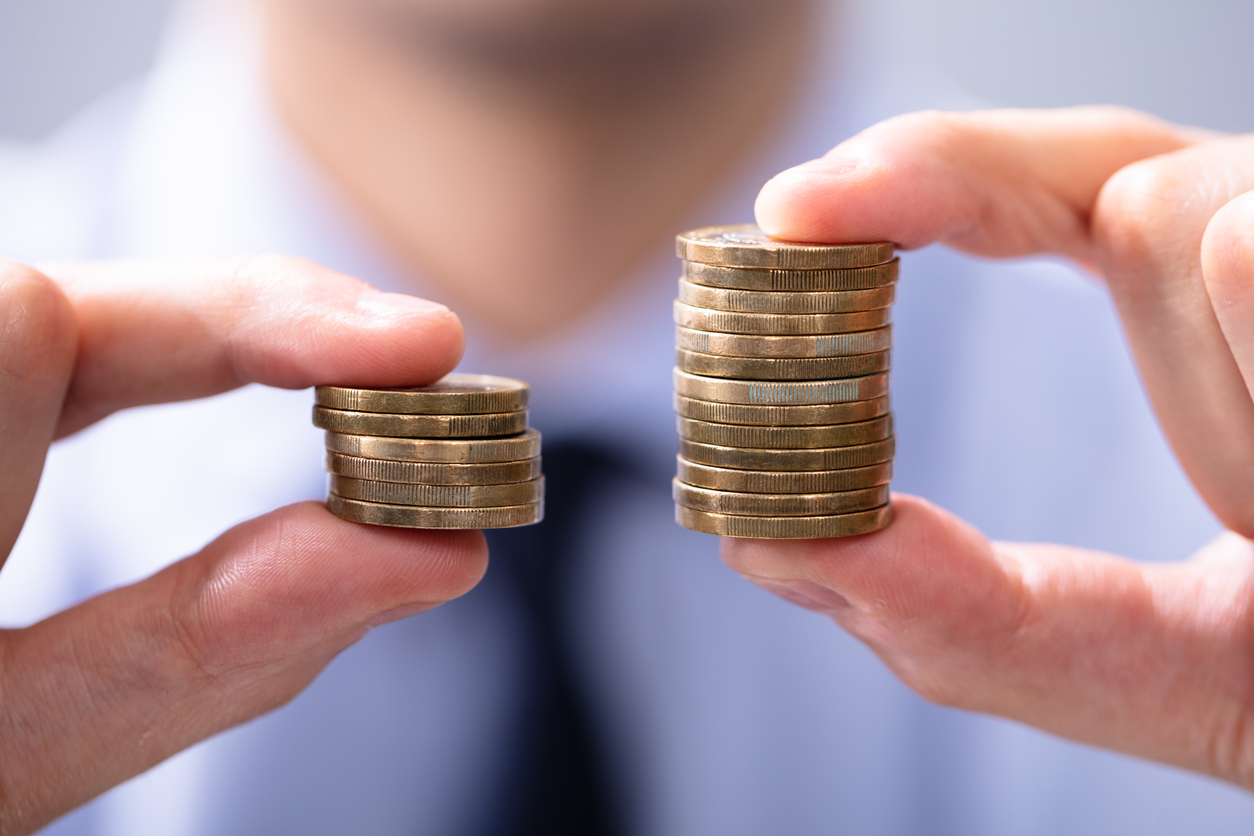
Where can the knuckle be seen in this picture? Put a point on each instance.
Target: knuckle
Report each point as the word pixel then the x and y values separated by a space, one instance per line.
pixel 1111 118
pixel 271 264
pixel 191 645
pixel 922 131
pixel 196 652
pixel 1239 765
pixel 924 122
pixel 270 293
pixel 1228 249
pixel 269 280
pixel 37 325
pixel 1231 741
pixel 276 597
pixel 291 274
pixel 1229 746
pixel 231 607
pixel 1137 221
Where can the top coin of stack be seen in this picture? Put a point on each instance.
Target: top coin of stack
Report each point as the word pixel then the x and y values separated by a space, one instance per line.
pixel 781 385
pixel 455 454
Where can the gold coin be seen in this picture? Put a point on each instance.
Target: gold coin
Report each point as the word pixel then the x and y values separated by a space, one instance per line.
pixel 778 504
pixel 781 416
pixel 412 516
pixel 453 450
pixel 786 438
pixel 783 368
pixel 821 345
pixel 785 528
pixel 427 473
pixel 706 319
pixel 769 301
pixel 787 393
pixel 759 458
pixel 798 481
pixel 438 496
pixel 744 245
pixel 748 278
pixel 480 425
pixel 453 394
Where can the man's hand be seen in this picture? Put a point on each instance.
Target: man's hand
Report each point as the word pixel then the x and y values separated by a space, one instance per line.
pixel 1156 661
pixel 107 689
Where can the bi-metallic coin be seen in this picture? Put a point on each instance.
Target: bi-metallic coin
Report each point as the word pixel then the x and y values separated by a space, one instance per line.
pixel 776 302
pixel 438 496
pixel 453 394
pixel 786 438
pixel 783 368
pixel 433 473
pixel 410 516
pixel 786 481
pixel 745 245
pixel 707 319
pixel 781 416
pixel 820 345
pixel 452 450
pixel 778 504
pixel 785 528
pixel 748 278
pixel 480 425
pixel 759 458
pixel 780 393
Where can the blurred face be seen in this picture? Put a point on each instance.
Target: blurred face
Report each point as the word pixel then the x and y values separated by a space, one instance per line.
pixel 603 37
pixel 574 132
pixel 507 14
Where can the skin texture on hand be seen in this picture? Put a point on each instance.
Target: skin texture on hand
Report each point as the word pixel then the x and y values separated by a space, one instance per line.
pixel 109 688
pixel 1155 661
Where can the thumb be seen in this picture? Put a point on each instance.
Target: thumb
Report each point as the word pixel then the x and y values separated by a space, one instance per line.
pixel 37 342
pixel 1148 660
pixel 106 690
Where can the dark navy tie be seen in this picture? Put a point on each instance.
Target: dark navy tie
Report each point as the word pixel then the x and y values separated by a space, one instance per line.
pixel 557 783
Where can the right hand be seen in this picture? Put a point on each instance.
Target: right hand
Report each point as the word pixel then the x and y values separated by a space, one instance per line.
pixel 1152 660
pixel 109 688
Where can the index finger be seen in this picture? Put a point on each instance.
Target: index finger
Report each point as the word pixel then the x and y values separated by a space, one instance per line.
pixel 1105 186
pixel 995 183
pixel 157 331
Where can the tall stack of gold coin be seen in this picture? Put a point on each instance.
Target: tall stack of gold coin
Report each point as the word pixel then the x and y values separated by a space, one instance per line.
pixel 781 385
pixel 455 454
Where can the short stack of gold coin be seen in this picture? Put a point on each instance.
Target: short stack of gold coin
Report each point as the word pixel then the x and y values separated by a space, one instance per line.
pixel 781 385
pixel 455 454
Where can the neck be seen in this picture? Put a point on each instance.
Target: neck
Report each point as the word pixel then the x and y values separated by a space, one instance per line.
pixel 525 184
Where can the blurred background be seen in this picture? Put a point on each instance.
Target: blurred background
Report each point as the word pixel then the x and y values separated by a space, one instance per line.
pixel 1186 61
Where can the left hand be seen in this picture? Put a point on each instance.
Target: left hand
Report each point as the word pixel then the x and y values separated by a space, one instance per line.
pixel 1153 660
pixel 107 689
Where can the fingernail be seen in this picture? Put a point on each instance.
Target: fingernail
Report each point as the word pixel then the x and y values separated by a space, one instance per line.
pixel 808 595
pixel 397 614
pixel 774 207
pixel 833 165
pixel 397 304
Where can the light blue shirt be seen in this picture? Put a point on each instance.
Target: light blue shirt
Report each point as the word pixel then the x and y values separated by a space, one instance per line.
pixel 728 710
